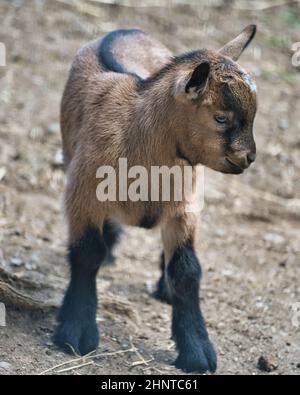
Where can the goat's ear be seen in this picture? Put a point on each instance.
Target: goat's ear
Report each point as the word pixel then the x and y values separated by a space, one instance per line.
pixel 235 47
pixel 197 83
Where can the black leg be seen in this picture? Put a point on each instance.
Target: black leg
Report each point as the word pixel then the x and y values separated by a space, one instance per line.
pixel 77 328
pixel 162 293
pixel 196 353
pixel 111 235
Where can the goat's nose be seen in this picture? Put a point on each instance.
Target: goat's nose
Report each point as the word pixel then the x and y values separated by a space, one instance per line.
pixel 243 159
pixel 251 157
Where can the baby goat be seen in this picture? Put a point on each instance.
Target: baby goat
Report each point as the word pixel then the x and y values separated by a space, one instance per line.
pixel 127 96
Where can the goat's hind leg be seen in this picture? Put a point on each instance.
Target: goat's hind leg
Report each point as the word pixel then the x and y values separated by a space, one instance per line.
pixel 162 292
pixel 111 235
pixel 77 329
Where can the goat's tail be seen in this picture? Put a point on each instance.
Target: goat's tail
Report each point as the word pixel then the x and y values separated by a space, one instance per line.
pixel 133 52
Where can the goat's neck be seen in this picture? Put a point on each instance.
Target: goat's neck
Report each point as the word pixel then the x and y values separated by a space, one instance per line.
pixel 155 125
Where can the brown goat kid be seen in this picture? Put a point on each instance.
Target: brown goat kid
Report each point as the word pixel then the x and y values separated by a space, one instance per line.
pixel 128 97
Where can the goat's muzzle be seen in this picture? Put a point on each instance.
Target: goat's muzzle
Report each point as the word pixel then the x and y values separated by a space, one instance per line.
pixel 240 161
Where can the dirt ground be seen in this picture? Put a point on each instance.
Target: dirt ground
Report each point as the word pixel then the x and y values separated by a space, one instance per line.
pixel 249 242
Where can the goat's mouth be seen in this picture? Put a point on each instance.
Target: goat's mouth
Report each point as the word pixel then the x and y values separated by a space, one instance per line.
pixel 232 168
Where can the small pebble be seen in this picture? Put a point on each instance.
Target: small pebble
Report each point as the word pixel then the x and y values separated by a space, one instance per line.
pixel 16 262
pixel 283 263
pixel 2 173
pixel 5 365
pixel 274 238
pixel 29 266
pixel 58 160
pixel 54 128
pixel 283 124
pixel 267 364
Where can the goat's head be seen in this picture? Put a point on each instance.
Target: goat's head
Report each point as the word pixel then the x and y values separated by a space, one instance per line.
pixel 216 103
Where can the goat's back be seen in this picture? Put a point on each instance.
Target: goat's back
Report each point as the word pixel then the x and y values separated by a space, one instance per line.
pixel 100 69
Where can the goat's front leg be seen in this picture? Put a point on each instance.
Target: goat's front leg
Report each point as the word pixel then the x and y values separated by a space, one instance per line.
pixel 77 328
pixel 182 276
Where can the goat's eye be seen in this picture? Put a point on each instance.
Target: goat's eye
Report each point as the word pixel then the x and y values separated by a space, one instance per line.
pixel 222 119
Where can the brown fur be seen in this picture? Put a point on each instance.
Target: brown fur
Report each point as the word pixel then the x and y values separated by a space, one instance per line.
pixel 127 97
pixel 107 115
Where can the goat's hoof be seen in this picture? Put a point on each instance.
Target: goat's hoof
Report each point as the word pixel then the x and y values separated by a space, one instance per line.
pixel 202 359
pixel 77 337
pixel 161 297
